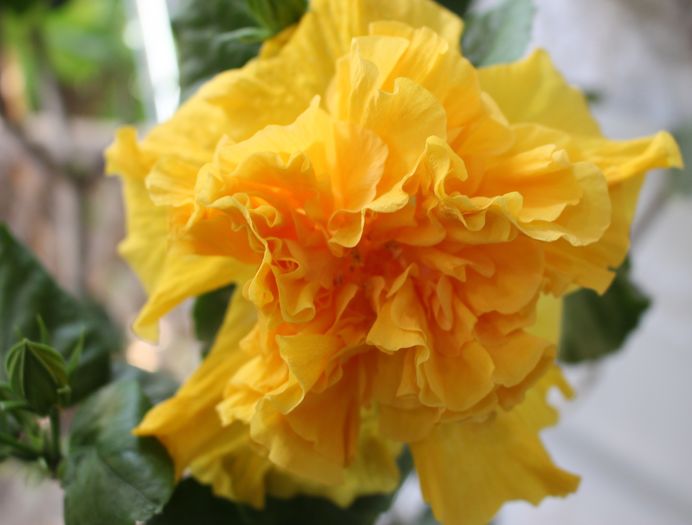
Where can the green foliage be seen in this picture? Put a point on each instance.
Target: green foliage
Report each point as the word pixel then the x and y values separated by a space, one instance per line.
pixel 28 291
pixel 37 373
pixel 217 35
pixel 22 6
pixel 8 425
pixel 275 15
pixel 113 477
pixel 210 40
pixel 500 34
pixel 594 326
pixel 682 179
pixel 81 48
pixel 460 7
pixel 193 503
pixel 208 313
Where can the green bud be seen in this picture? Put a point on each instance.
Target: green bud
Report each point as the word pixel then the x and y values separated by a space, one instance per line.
pixel 37 373
pixel 276 15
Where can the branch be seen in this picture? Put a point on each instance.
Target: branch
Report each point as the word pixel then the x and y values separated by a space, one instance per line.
pixel 31 148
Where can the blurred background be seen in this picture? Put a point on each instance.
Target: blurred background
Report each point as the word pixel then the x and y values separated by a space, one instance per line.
pixel 72 71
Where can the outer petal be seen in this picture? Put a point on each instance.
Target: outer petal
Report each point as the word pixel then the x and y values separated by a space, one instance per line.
pixel 468 470
pixel 374 470
pixel 186 438
pixel 532 90
pixel 545 109
pixel 184 275
pixel 147 226
pixel 173 151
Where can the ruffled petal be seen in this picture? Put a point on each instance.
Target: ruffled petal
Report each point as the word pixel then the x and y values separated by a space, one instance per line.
pixel 277 89
pixel 533 90
pixel 468 470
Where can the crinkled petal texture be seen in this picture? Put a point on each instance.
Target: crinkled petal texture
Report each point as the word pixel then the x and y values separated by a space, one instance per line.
pixel 401 227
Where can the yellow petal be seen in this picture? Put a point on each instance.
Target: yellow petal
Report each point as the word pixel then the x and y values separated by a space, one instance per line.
pixel 170 154
pixel 373 471
pixel 182 276
pixel 548 318
pixel 187 437
pixel 276 89
pixel 624 159
pixel 147 225
pixel 468 470
pixel 532 90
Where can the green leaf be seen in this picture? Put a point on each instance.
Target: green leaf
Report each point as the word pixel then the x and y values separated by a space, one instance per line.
pixel 28 291
pixel 217 35
pixel 595 325
pixel 208 313
pixel 460 7
pixel 38 374
pixel 202 32
pixel 682 178
pixel 500 34
pixel 22 6
pixel 193 503
pixel 275 15
pixel 8 425
pixel 113 477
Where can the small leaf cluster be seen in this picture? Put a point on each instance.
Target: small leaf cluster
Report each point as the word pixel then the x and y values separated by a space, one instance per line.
pixel 58 353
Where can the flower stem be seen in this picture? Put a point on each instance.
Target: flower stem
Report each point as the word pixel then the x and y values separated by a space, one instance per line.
pixel 55 449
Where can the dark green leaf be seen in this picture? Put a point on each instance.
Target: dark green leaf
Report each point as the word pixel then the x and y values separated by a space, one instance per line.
pixel 460 7
pixel 193 503
pixel 500 34
pixel 204 47
pixel 682 179
pixel 8 425
pixel 37 373
pixel 21 6
pixel 208 313
pixel 28 291
pixel 275 15
pixel 596 325
pixel 217 35
pixel 113 477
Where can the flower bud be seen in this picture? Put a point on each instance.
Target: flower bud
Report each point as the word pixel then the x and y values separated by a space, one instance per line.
pixel 37 373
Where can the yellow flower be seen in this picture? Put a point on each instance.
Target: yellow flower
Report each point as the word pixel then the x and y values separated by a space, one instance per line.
pixel 401 226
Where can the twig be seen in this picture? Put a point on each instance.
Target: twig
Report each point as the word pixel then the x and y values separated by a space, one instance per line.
pixel 55 448
pixel 32 149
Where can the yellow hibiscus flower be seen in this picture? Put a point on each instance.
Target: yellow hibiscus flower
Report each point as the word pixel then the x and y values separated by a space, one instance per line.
pixel 400 226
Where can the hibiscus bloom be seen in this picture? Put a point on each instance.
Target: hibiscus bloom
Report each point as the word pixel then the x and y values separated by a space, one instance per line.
pixel 400 227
